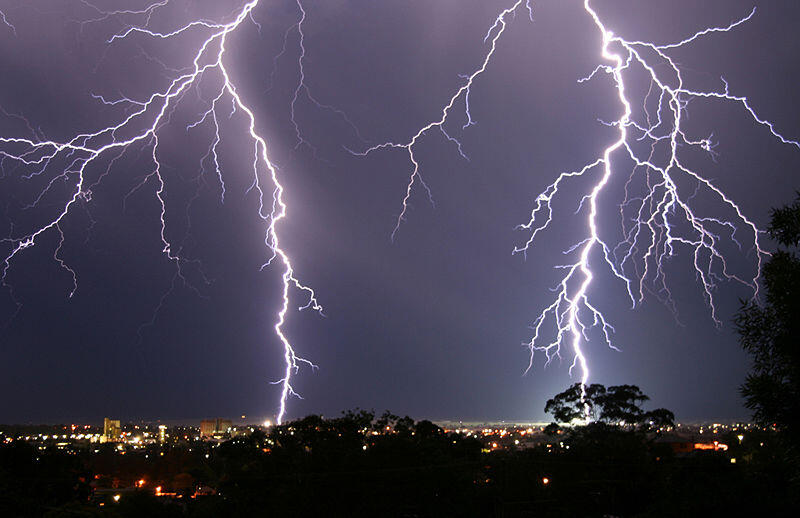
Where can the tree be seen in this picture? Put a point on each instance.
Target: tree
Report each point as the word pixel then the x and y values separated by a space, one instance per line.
pixel 659 418
pixel 770 332
pixel 575 403
pixel 622 404
pixel 616 404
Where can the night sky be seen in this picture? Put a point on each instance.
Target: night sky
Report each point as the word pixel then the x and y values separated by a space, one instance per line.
pixel 431 325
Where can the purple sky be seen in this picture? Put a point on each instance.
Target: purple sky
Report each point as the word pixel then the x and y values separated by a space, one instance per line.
pixel 430 325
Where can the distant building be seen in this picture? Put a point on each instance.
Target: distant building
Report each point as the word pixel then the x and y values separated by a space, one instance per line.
pixel 112 431
pixel 215 427
pixel 162 433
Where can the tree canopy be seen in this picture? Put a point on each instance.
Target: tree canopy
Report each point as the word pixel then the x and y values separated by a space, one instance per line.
pixel 770 332
pixel 618 404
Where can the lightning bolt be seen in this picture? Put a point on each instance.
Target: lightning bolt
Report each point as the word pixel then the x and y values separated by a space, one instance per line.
pixel 657 216
pixel 4 19
pixel 492 36
pixel 145 120
pixel 662 217
pixel 302 89
pixel 655 223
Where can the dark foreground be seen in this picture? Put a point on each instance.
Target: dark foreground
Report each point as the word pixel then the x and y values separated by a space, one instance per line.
pixel 360 466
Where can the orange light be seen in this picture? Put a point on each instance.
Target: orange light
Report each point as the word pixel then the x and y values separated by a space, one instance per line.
pixel 716 446
pixel 545 480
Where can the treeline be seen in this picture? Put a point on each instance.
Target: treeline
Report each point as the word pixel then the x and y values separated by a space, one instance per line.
pixel 362 465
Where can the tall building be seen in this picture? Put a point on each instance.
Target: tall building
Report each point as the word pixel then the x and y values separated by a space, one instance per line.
pixel 162 433
pixel 112 431
pixel 214 427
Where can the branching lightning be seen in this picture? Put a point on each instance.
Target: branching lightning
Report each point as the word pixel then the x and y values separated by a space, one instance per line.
pixel 492 36
pixel 146 118
pixel 301 89
pixel 656 222
pixel 660 220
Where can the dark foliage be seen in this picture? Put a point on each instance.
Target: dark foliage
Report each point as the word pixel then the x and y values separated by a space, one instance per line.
pixel 31 480
pixel 320 467
pixel 770 333
pixel 615 404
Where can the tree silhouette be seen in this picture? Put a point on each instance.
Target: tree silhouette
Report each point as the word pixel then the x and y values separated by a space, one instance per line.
pixel 770 332
pixel 572 404
pixel 618 404
pixel 621 403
